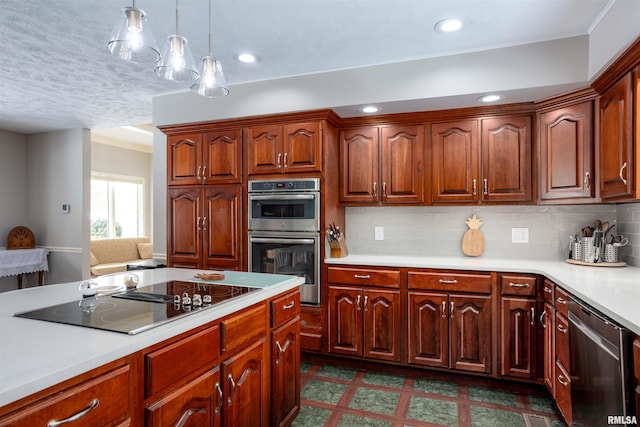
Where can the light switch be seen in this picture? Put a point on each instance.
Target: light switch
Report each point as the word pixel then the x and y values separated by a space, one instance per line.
pixel 519 235
pixel 379 233
pixel 66 208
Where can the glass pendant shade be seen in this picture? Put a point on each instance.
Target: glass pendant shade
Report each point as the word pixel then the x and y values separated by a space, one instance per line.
pixel 177 63
pixel 212 82
pixel 132 39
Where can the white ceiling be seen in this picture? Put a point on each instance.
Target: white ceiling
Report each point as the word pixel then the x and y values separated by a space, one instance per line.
pixel 56 73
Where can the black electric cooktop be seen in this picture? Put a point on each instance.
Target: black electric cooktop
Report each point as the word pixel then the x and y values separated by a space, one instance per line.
pixel 140 309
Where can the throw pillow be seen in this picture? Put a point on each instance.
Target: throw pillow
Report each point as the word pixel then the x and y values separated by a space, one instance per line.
pixel 94 260
pixel 145 250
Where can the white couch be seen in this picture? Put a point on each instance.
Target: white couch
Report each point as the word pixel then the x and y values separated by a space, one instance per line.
pixel 112 255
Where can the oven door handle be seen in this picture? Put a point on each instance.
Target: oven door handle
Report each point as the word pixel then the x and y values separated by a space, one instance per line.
pixel 282 197
pixel 277 240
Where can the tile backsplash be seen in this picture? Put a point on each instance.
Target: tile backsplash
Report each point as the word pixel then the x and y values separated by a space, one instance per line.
pixel 438 230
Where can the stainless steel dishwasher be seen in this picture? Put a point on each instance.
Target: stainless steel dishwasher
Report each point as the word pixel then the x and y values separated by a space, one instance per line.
pixel 601 367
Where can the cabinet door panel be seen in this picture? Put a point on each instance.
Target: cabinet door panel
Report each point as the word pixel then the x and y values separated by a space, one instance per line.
pixel 222 243
pixel 402 164
pixel 616 140
pixel 345 320
pixel 285 373
pixel 359 181
pixel 381 311
pixel 185 236
pixel 264 149
pixel 549 325
pixel 428 329
pixel 245 387
pixel 302 147
pixel 222 152
pixel 506 159
pixel 184 159
pixel 518 337
pixel 455 161
pixel 470 333
pixel 566 153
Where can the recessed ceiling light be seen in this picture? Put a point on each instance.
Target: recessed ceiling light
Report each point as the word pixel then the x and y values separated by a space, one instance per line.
pixel 490 98
pixel 448 25
pixel 369 109
pixel 247 58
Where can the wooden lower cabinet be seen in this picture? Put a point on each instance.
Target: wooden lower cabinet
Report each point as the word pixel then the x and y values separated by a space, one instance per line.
pixel 285 373
pixel 547 320
pixel 450 331
pixel 364 322
pixel 519 336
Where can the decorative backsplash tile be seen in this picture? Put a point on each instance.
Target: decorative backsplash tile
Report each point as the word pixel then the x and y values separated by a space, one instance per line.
pixel 438 230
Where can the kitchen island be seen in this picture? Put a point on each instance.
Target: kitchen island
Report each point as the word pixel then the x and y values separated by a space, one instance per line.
pixel 38 356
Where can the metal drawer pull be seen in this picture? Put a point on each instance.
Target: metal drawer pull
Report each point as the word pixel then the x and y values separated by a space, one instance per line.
pixel 547 290
pixel 290 305
pixel 533 316
pixel 562 329
pixel 519 285
pixel 562 381
pixel 94 403
pixel 624 165
pixel 359 276
pixel 219 407
pixel 561 300
pixel 448 282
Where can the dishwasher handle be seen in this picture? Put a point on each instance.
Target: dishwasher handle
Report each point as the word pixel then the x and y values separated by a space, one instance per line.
pixel 593 336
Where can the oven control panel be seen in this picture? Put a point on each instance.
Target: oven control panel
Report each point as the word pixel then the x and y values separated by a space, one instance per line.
pixel 308 184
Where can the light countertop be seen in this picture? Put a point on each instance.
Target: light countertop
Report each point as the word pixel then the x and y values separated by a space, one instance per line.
pixel 614 291
pixel 36 354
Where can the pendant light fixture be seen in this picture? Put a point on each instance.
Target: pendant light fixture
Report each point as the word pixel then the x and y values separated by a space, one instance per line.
pixel 212 82
pixel 177 62
pixel 132 39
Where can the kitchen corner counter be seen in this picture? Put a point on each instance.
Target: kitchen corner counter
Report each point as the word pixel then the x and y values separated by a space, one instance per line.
pixel 37 354
pixel 614 291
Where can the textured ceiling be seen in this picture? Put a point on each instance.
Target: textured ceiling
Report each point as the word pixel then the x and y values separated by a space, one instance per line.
pixel 56 73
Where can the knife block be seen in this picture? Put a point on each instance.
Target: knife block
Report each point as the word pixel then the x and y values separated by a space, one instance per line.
pixel 338 249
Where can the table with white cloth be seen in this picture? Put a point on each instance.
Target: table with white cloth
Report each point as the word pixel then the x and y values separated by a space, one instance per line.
pixel 21 261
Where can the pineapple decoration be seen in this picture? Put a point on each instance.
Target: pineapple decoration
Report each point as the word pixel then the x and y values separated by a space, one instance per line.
pixel 473 240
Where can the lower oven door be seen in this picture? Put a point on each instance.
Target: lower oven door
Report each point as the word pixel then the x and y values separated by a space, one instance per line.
pixel 292 253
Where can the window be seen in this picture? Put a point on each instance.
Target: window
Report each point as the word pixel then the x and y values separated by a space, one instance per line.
pixel 116 206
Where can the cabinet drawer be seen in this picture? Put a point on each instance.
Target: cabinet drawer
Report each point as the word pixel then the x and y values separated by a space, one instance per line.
pixel 361 276
pixel 518 285
pixel 562 301
pixel 445 281
pixel 172 363
pixel 104 400
pixel 241 329
pixel 563 391
pixel 285 308
pixel 548 291
pixel 562 340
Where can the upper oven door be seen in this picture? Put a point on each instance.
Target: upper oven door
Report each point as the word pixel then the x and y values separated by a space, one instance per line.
pixel 284 211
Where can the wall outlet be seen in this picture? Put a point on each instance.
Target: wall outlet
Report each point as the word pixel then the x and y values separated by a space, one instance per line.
pixel 379 233
pixel 519 235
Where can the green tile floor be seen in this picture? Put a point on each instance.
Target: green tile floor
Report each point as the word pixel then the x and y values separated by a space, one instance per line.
pixel 343 396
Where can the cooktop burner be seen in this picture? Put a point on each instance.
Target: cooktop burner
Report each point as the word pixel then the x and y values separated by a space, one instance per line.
pixel 140 309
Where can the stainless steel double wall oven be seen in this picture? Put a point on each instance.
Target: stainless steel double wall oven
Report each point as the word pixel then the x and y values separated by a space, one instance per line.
pixel 284 231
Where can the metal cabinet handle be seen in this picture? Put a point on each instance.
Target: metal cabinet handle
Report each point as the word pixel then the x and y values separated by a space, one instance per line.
pixel 444 309
pixel 486 186
pixel 384 189
pixel 475 186
pixel 280 352
pixel 452 310
pixel 375 189
pixel 219 407
pixel 358 303
pixel 562 329
pixel 448 282
pixel 533 316
pixel 542 322
pixel 624 165
pixel 519 285
pixel 94 403
pixel 360 276
pixel 290 305
pixel 204 173
pixel 366 303
pixel 198 173
pixel 199 223
pixel 285 160
pixel 547 289
pixel 562 381
pixel 233 390
pixel 204 223
pixel 278 163
pixel 587 180
pixel 561 300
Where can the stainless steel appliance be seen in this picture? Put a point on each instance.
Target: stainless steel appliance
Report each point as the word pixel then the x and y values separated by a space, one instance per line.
pixel 284 231
pixel 140 309
pixel 601 363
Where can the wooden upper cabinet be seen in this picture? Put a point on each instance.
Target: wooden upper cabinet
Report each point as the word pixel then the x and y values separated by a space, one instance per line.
pixel 382 164
pixel 566 153
pixel 506 159
pixel 289 148
pixel 359 175
pixel 184 159
pixel 402 160
pixel 455 161
pixel 184 227
pixel 222 241
pixel 616 141
pixel 209 158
